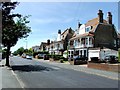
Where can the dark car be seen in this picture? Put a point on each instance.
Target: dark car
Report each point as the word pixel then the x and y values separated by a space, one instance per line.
pixel 111 59
pixel 41 56
pixel 79 59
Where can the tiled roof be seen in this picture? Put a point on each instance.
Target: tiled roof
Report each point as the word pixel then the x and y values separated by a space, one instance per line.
pixel 81 35
pixel 94 22
pixel 65 33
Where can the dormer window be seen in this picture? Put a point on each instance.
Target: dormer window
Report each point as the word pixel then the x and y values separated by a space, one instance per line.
pixel 87 29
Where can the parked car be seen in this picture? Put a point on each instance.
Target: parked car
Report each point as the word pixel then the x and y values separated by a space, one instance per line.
pixel 29 57
pixel 79 59
pixel 46 57
pixel 111 59
pixel 41 56
pixel 23 55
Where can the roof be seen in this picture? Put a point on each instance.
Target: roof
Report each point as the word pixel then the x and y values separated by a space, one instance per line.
pixel 43 44
pixel 59 41
pixel 94 22
pixel 65 33
pixel 81 35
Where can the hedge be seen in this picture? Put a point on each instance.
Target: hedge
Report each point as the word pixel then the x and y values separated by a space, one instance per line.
pixel 119 55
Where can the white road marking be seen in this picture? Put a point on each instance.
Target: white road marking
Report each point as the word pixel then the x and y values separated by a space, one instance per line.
pixel 55 68
pixel 20 81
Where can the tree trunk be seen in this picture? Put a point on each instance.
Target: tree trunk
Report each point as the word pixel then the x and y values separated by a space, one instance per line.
pixel 7 56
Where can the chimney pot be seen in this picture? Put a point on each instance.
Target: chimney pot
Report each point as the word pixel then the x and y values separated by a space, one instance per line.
pixel 100 16
pixel 109 18
pixel 48 42
pixel 79 24
pixel 59 31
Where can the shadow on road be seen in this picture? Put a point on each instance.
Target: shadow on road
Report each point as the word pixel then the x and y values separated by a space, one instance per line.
pixel 31 68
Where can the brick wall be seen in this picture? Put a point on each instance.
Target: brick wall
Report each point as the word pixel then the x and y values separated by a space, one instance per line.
pixel 107 67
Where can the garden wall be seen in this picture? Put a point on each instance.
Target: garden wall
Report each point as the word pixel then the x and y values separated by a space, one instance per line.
pixel 105 66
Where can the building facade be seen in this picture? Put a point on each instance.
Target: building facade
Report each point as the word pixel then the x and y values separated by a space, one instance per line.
pixel 60 45
pixel 93 34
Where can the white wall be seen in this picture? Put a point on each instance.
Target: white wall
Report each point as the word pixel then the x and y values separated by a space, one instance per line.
pixel 59 37
pixel 82 29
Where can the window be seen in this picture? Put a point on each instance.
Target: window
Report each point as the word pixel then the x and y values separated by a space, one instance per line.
pixel 71 56
pixel 83 41
pixel 91 40
pixel 71 52
pixel 87 29
pixel 86 41
pixel 75 43
pixel 114 43
pixel 118 42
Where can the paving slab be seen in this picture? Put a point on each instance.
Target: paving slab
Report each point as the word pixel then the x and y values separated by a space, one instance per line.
pixel 7 77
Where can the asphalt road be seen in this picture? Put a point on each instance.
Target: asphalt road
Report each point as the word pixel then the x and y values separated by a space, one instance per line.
pixel 35 74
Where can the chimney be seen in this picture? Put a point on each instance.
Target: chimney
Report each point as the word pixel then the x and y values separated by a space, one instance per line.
pixel 59 31
pixel 100 16
pixel 79 24
pixel 48 42
pixel 109 18
pixel 51 41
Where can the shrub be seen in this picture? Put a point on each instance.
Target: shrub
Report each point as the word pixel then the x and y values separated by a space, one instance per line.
pixel 61 60
pixel 119 55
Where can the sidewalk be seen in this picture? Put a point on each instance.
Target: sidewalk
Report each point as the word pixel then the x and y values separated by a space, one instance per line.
pixel 7 77
pixel 83 68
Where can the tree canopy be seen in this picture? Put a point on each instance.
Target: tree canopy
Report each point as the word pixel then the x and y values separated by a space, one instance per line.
pixel 14 27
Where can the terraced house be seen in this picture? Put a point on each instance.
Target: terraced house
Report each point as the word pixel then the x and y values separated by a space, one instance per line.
pixel 95 33
pixel 60 45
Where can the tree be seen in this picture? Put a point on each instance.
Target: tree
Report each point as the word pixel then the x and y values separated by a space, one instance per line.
pixel 14 27
pixel 20 51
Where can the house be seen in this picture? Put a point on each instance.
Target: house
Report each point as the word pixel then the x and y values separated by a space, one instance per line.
pixel 43 46
pixel 36 48
pixel 60 45
pixel 96 33
pixel 118 40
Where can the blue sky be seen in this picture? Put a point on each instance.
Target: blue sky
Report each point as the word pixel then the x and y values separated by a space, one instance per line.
pixel 48 17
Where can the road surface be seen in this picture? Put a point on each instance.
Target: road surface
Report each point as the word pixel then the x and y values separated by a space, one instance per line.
pixel 35 74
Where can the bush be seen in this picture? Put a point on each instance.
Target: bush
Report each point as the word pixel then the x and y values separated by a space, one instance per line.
pixel 56 57
pixel 61 60
pixel 119 55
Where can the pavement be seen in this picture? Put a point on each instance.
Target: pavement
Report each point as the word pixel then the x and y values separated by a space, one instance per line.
pixel 7 75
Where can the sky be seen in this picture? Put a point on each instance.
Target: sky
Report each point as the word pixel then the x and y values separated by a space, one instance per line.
pixel 48 17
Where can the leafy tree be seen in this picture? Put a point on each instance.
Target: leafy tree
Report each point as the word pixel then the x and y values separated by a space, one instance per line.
pixel 15 53
pixel 30 51
pixel 14 27
pixel 20 51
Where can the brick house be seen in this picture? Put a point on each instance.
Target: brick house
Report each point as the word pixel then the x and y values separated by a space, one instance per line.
pixel 93 34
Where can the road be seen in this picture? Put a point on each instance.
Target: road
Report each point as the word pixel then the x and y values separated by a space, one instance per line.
pixel 35 74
